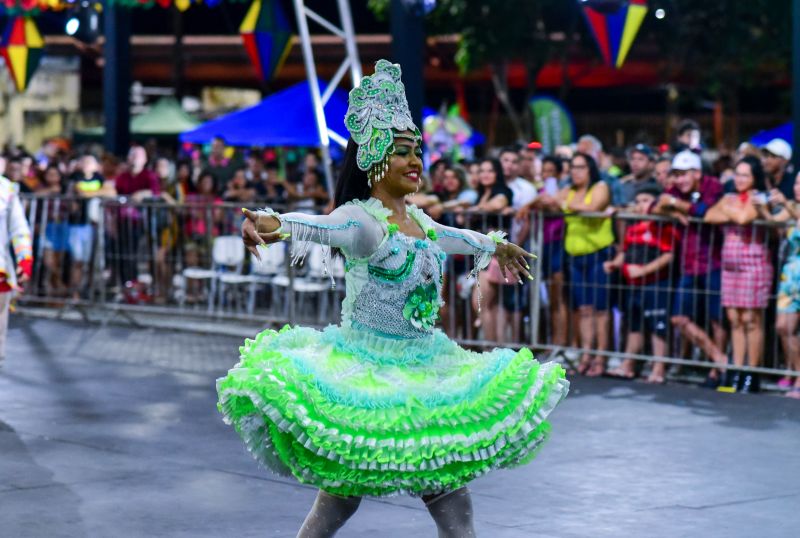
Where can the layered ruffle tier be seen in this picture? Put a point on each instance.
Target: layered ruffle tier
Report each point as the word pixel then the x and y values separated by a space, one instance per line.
pixel 355 413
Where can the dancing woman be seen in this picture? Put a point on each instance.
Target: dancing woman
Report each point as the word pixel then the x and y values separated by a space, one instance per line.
pixel 385 403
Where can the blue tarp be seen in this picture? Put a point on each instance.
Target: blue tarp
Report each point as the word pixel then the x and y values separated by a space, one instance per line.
pixel 783 131
pixel 285 118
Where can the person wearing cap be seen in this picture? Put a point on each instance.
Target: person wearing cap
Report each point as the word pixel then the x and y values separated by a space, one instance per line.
pixel 640 160
pixel 644 261
pixel 775 157
pixel 697 301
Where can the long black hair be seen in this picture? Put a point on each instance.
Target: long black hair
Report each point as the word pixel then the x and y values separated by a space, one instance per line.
pixel 594 171
pixel 352 183
pixel 499 181
pixel 759 179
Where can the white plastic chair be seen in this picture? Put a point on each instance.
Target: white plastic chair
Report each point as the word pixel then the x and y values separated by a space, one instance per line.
pixel 262 272
pixel 228 252
pixel 314 282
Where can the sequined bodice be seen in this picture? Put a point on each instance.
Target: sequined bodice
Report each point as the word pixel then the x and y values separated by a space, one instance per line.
pixel 397 290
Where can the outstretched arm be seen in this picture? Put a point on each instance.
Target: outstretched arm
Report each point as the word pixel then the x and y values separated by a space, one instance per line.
pixel 344 229
pixel 483 246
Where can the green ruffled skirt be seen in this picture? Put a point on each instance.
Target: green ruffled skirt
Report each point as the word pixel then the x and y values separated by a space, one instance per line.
pixel 354 413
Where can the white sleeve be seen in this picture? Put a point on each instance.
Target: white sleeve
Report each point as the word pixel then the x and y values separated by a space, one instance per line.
pixel 19 230
pixel 347 228
pixel 459 241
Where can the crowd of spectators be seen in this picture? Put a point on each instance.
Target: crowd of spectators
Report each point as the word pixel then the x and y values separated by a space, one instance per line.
pixel 648 250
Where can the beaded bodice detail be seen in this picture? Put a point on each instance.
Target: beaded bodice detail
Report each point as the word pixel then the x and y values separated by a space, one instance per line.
pixel 398 288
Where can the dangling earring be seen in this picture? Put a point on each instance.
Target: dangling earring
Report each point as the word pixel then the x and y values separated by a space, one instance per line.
pixel 378 171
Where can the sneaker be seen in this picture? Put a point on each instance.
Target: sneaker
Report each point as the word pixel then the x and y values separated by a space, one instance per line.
pixel 750 384
pixel 731 383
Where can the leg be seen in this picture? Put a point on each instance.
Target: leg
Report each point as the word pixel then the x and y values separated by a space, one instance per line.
pixel 633 345
pixel 601 319
pixel 452 513
pixel 787 328
pixel 752 319
pixel 698 337
pixel 5 299
pixel 328 515
pixel 488 308
pixel 558 310
pixel 657 375
pixel 586 336
pixel 738 337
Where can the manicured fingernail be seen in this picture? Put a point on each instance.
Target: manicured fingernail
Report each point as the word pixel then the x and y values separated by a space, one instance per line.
pixel 244 210
pixel 530 277
pixel 505 280
pixel 286 236
pixel 520 281
pixel 527 266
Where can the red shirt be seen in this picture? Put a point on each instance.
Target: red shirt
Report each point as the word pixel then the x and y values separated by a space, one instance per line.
pixel 644 242
pixel 127 184
pixel 701 242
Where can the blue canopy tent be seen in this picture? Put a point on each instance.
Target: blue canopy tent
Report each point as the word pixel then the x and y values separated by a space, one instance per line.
pixel 762 138
pixel 285 118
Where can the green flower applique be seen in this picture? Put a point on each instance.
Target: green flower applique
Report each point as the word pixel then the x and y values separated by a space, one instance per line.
pixel 422 307
pixel 432 234
pixel 392 228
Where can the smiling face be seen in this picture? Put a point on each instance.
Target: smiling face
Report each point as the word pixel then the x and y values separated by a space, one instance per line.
pixel 686 180
pixel 743 179
pixel 405 167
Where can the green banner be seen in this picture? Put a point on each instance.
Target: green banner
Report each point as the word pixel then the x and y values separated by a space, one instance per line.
pixel 552 123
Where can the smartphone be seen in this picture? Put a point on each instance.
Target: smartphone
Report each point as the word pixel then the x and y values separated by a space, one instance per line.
pixel 760 198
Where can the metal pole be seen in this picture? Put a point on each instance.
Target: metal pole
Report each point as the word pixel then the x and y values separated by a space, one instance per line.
pixel 350 41
pixel 117 78
pixel 796 84
pixel 408 49
pixel 316 98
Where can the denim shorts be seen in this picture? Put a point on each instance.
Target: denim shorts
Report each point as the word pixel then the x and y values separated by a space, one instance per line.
pixel 552 259
pixel 81 237
pixel 588 283
pixel 56 237
pixel 698 297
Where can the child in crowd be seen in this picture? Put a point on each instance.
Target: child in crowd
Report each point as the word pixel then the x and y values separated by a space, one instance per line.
pixel 647 253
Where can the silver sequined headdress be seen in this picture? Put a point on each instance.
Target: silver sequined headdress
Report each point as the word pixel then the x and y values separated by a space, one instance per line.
pixel 377 110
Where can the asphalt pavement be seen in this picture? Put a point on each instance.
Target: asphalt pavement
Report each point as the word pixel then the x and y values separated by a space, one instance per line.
pixel 113 432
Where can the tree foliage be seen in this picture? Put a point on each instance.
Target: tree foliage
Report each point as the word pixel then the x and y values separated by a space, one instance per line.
pixel 493 34
pixel 725 44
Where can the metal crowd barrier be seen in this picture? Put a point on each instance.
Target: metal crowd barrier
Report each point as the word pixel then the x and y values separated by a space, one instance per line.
pixel 188 260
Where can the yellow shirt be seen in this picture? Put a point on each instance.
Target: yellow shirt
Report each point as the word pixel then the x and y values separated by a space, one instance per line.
pixel 586 235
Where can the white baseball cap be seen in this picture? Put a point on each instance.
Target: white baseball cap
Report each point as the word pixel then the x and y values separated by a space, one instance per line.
pixel 779 147
pixel 687 160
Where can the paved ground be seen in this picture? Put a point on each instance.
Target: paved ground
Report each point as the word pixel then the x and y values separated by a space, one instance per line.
pixel 113 432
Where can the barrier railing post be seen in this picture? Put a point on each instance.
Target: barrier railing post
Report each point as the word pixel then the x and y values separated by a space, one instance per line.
pixel 536 242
